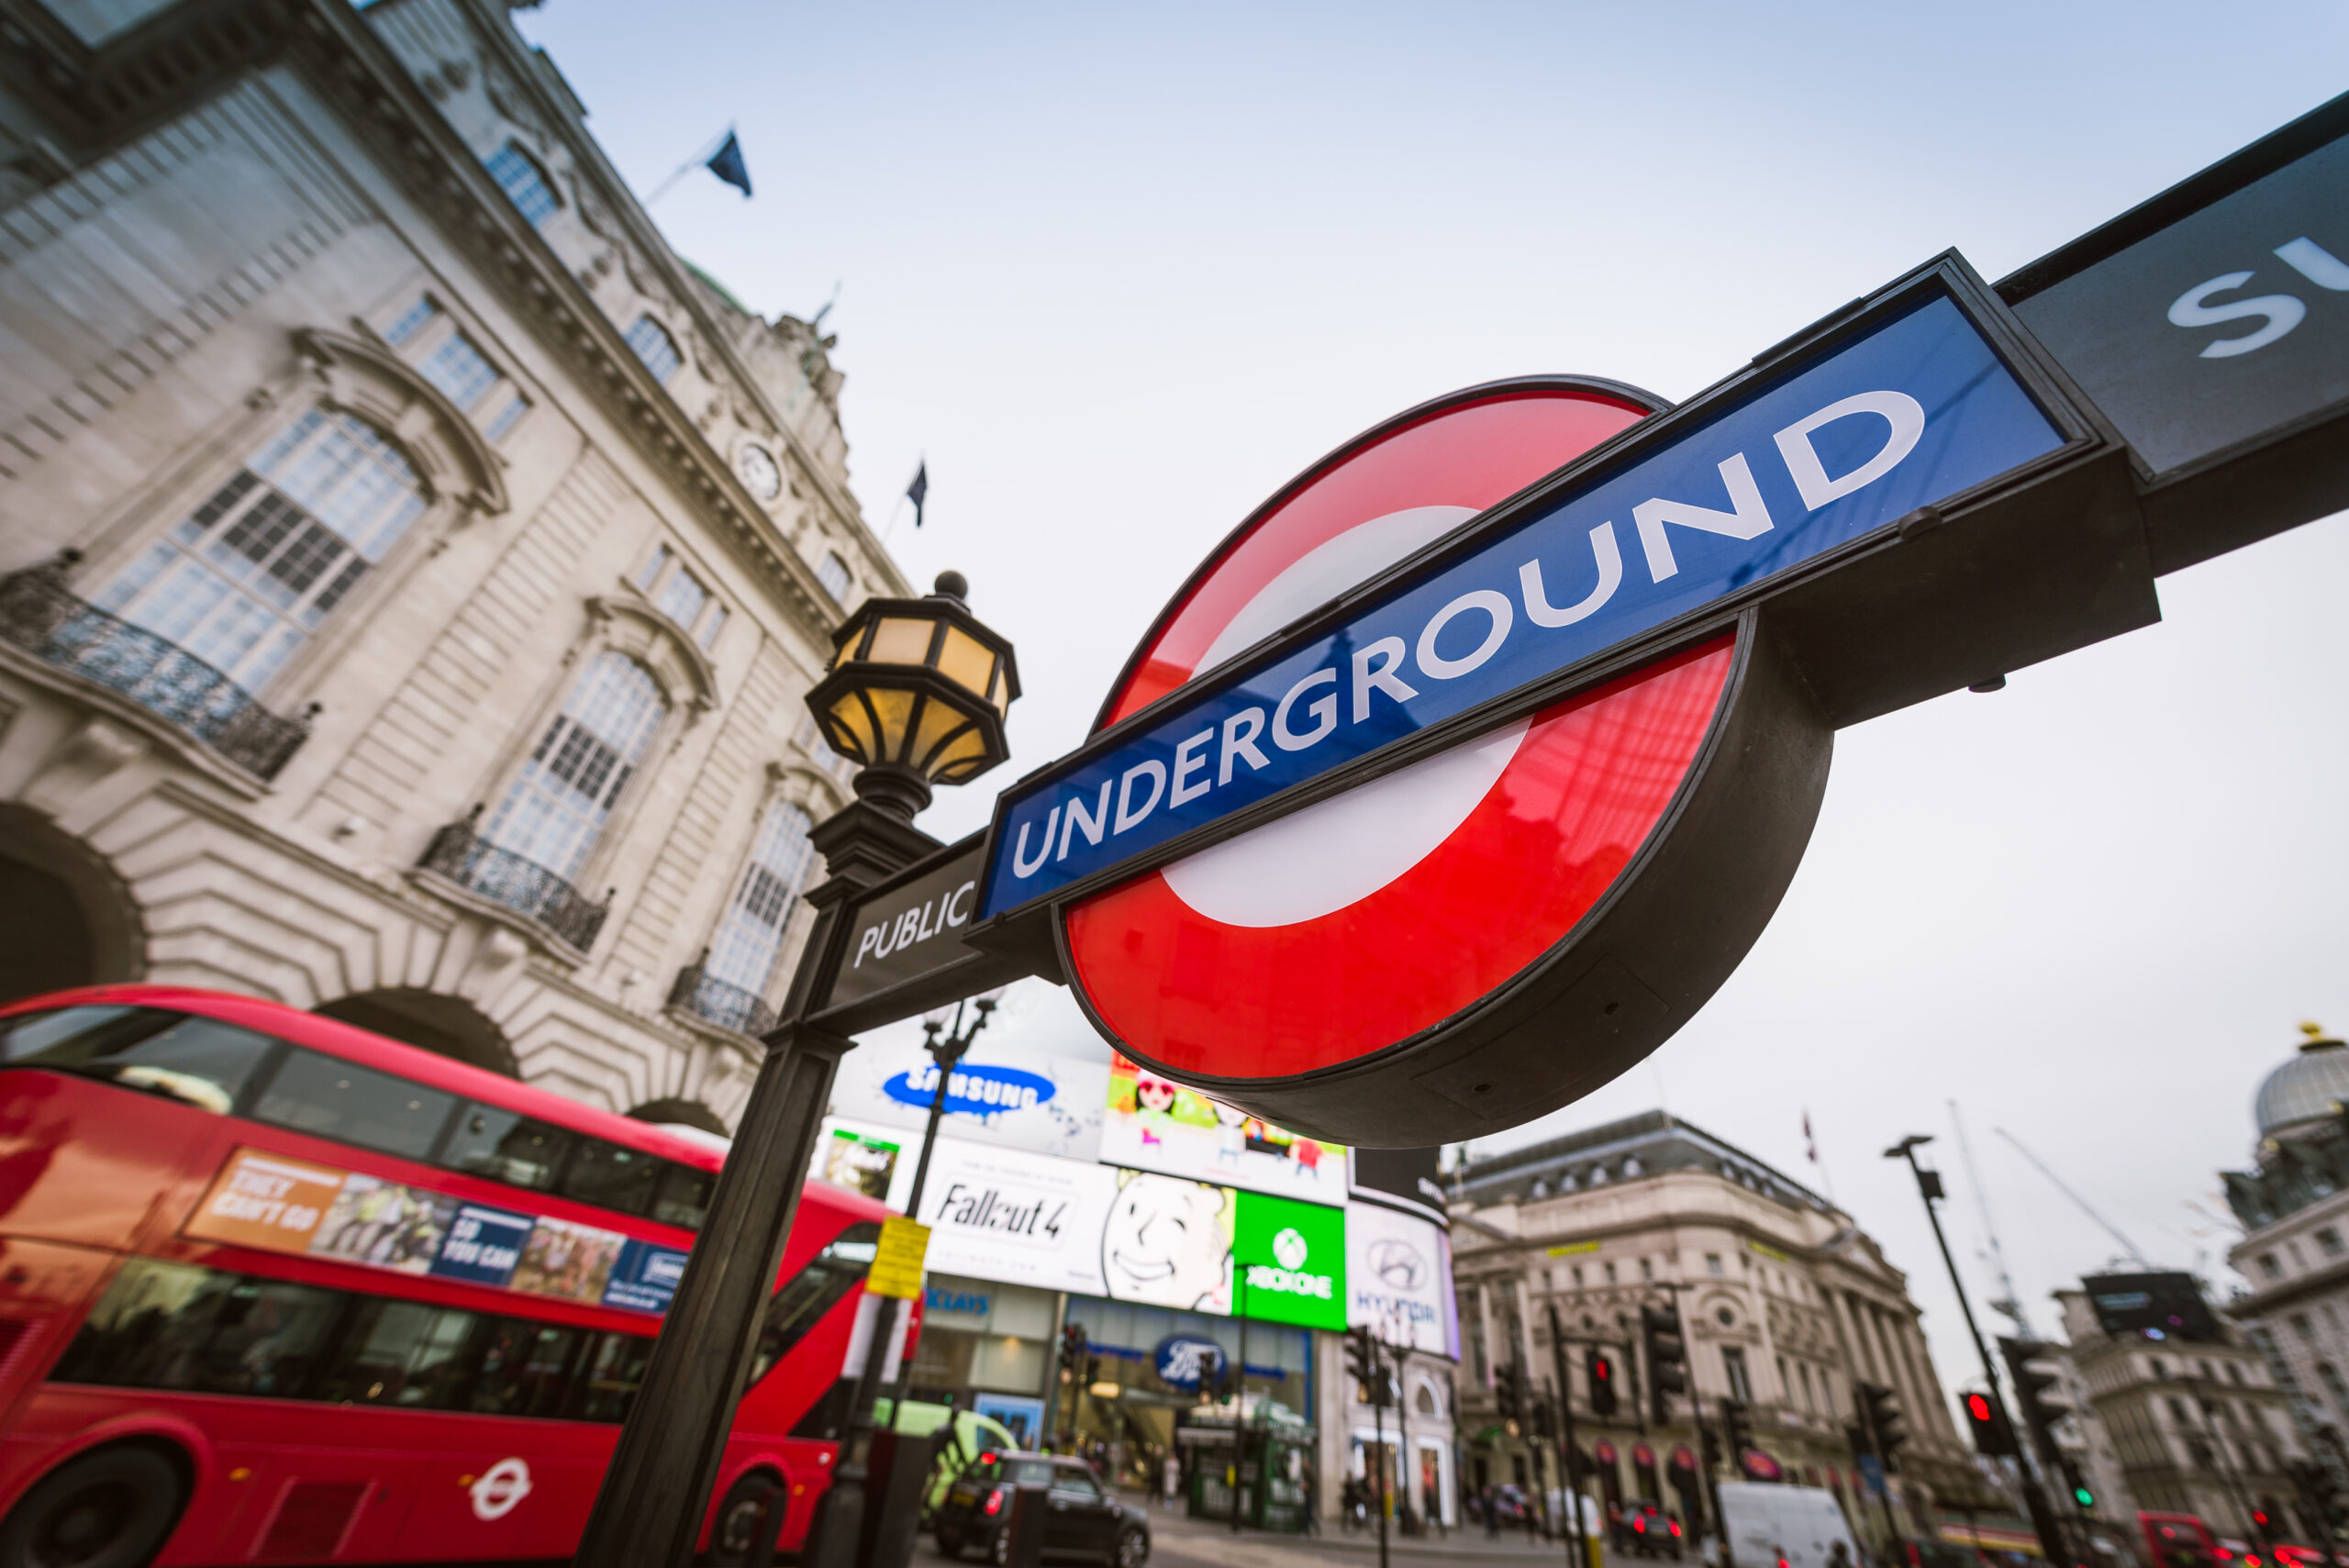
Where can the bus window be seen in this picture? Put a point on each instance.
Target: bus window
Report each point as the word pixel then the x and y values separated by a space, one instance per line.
pixel 200 1060
pixel 612 1377
pixel 506 1146
pixel 333 1098
pixel 168 1326
pixel 399 1353
pixel 612 1177
pixel 526 1368
pixel 684 1199
pixel 801 1304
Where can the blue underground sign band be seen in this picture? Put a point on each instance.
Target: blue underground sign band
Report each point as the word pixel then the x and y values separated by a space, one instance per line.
pixel 1909 413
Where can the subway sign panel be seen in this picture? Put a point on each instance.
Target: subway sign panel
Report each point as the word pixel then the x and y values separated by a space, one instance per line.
pixel 1470 765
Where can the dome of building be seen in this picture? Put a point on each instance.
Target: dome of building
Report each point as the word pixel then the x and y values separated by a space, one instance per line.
pixel 2307 1091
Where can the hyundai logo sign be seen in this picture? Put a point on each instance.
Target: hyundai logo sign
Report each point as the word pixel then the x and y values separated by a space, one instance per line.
pixel 1184 1362
pixel 972 1090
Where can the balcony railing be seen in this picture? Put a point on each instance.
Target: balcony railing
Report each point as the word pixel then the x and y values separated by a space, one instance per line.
pixel 458 852
pixel 41 615
pixel 728 1006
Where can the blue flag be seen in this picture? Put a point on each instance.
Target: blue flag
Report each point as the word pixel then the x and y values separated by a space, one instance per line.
pixel 728 165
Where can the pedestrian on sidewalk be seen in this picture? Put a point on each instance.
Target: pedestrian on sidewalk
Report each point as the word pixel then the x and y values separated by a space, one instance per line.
pixel 1490 1504
pixel 1312 1492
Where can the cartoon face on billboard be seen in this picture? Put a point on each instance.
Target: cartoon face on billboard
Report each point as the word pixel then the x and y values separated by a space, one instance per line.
pixel 1168 1242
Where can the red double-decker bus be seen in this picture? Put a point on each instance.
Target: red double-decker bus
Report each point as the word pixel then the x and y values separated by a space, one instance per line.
pixel 274 1289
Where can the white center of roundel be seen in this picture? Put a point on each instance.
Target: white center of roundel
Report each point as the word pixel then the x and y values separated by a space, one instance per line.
pixel 1289 1247
pixel 1327 570
pixel 1346 848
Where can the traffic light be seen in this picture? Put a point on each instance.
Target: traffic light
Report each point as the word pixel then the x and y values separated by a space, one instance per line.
pixel 1737 1432
pixel 1667 1355
pixel 1601 1369
pixel 1882 1419
pixel 2083 1494
pixel 1074 1348
pixel 1362 1361
pixel 2040 1397
pixel 1712 1446
pixel 2320 1505
pixel 1545 1425
pixel 1508 1392
pixel 1993 1438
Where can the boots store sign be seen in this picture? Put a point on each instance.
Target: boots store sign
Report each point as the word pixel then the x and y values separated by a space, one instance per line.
pixel 1470 765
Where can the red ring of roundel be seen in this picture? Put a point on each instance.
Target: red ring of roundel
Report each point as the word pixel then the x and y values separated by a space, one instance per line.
pixel 1585 788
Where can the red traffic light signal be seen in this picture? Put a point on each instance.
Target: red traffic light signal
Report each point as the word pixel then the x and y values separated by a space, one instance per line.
pixel 1977 1406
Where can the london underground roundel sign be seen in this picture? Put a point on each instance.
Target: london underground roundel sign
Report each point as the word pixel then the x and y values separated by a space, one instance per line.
pixel 1470 766
pixel 1264 967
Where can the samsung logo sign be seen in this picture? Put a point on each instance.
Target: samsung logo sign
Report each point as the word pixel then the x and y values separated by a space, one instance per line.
pixel 972 1090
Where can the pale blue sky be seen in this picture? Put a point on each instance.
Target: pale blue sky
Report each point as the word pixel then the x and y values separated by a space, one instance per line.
pixel 1119 272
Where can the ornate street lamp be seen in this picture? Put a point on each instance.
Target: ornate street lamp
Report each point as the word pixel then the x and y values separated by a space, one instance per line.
pixel 915 693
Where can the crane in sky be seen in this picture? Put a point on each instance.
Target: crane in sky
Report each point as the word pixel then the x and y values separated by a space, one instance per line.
pixel 2127 1246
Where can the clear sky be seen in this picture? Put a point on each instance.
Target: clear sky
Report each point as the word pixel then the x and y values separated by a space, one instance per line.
pixel 1119 271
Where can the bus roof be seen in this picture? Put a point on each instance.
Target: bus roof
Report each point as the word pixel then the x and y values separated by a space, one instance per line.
pixel 369 1048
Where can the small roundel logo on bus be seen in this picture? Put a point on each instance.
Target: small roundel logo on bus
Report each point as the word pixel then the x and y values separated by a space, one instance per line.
pixel 501 1489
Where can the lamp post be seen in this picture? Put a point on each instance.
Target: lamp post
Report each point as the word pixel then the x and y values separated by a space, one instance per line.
pixel 947 1046
pixel 1928 1187
pixel 915 693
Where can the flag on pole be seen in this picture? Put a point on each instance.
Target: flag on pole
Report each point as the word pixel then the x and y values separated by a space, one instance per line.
pixel 919 491
pixel 728 165
pixel 1810 1143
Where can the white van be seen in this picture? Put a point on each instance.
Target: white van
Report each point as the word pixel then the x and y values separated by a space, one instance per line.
pixel 1785 1527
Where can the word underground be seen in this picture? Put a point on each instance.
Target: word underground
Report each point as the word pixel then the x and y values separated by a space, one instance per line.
pixel 1906 416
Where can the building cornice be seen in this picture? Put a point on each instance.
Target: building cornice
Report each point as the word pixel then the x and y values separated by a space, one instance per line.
pixel 524 66
pixel 106 97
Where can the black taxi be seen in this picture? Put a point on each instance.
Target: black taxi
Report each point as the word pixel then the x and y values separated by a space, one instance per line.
pixel 1082 1520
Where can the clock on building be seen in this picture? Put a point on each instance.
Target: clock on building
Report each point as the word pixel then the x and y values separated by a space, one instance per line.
pixel 757 467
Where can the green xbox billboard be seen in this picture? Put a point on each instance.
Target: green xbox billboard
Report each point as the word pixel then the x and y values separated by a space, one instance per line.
pixel 1288 1261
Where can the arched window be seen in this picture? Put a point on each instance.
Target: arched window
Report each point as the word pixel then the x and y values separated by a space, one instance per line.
pixel 1424 1401
pixel 743 951
pixel 655 347
pixel 244 580
pixel 566 791
pixel 524 183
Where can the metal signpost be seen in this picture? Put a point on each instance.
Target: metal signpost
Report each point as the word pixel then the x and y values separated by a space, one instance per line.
pixel 1471 765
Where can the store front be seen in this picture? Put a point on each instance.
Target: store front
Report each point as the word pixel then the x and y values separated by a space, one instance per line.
pixel 1150 1361
pixel 984 1347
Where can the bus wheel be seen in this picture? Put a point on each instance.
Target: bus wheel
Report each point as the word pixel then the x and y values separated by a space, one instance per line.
pixel 109 1509
pixel 735 1536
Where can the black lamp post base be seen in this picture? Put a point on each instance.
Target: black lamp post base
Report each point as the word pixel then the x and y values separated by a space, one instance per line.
pixel 899 790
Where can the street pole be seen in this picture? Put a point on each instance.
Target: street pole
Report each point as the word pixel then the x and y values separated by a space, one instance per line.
pixel 1238 1389
pixel 947 1052
pixel 2034 1497
pixel 1576 1553
pixel 1378 1444
pixel 655 1493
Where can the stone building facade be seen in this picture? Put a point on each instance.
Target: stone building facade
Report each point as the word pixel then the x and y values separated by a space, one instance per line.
pixel 1786 1303
pixel 413 567
pixel 2294 1207
pixel 2199 1427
